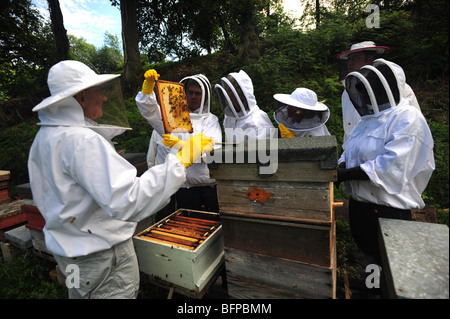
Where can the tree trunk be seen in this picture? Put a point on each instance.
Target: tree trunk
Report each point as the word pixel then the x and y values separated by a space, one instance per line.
pixel 60 33
pixel 249 38
pixel 317 13
pixel 229 45
pixel 132 69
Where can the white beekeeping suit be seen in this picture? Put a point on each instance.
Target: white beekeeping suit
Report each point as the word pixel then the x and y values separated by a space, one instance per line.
pixel 243 118
pixel 89 195
pixel 350 117
pixel 392 142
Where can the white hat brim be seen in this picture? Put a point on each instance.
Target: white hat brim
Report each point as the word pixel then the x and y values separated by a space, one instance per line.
pixel 98 79
pixel 378 49
pixel 287 99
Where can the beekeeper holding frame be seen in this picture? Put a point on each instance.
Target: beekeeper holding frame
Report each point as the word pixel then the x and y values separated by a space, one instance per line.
pixel 89 195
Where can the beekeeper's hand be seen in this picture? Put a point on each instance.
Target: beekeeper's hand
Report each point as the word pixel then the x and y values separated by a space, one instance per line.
pixel 349 174
pixel 151 76
pixel 285 132
pixel 172 141
pixel 194 148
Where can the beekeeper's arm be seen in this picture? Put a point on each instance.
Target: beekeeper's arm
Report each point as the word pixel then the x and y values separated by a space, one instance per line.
pixel 112 182
pixel 347 174
pixel 147 103
pixel 152 154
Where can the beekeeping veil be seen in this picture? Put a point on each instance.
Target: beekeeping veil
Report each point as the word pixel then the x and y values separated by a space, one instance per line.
pixel 235 93
pixel 65 80
pixel 368 48
pixel 204 84
pixel 300 111
pixel 375 88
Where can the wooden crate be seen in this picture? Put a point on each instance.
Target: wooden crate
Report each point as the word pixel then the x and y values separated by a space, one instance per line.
pixel 279 228
pixel 303 242
pixel 289 201
pixel 34 217
pixel 272 277
pixel 190 269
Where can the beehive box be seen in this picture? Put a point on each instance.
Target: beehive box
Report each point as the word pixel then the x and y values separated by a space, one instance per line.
pixel 279 228
pixel 175 259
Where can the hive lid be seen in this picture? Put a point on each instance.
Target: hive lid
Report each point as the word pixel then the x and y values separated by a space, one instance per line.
pixel 321 149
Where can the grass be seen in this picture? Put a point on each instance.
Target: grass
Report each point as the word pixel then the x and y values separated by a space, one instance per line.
pixel 27 276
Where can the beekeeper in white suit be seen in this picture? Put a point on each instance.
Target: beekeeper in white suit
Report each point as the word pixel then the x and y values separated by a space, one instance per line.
pixel 388 157
pixel 243 118
pixel 360 54
pixel 199 191
pixel 299 114
pixel 89 195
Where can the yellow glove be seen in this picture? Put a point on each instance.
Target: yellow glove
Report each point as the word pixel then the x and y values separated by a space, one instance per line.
pixel 285 132
pixel 172 141
pixel 151 76
pixel 193 149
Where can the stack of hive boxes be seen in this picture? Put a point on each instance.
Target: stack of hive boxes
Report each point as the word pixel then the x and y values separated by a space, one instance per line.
pixel 4 181
pixel 10 213
pixel 35 220
pixel 278 228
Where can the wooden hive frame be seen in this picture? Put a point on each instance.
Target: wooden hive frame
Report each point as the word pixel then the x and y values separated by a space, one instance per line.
pixel 174 108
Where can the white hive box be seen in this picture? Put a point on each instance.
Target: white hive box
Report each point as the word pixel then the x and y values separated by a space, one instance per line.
pixel 190 268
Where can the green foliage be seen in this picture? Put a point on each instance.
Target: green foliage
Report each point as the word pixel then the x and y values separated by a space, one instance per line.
pixel 438 188
pixel 27 50
pixel 107 59
pixel 442 216
pixel 15 143
pixel 138 139
pixel 26 276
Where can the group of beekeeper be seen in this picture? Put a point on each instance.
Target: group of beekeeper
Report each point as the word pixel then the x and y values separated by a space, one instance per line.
pixel 92 199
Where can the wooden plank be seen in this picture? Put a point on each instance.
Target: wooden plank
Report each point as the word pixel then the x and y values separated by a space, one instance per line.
pixel 307 243
pixel 12 220
pixel 271 277
pixel 290 199
pixel 286 172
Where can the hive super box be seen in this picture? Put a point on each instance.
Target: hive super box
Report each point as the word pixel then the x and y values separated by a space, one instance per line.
pixel 190 268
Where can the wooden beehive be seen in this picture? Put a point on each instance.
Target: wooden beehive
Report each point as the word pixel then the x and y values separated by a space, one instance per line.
pixel 174 108
pixel 279 228
pixel 184 249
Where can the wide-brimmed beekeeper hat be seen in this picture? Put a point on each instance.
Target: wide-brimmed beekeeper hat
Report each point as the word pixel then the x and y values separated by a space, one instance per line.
pixel 67 78
pixel 302 98
pixel 363 46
